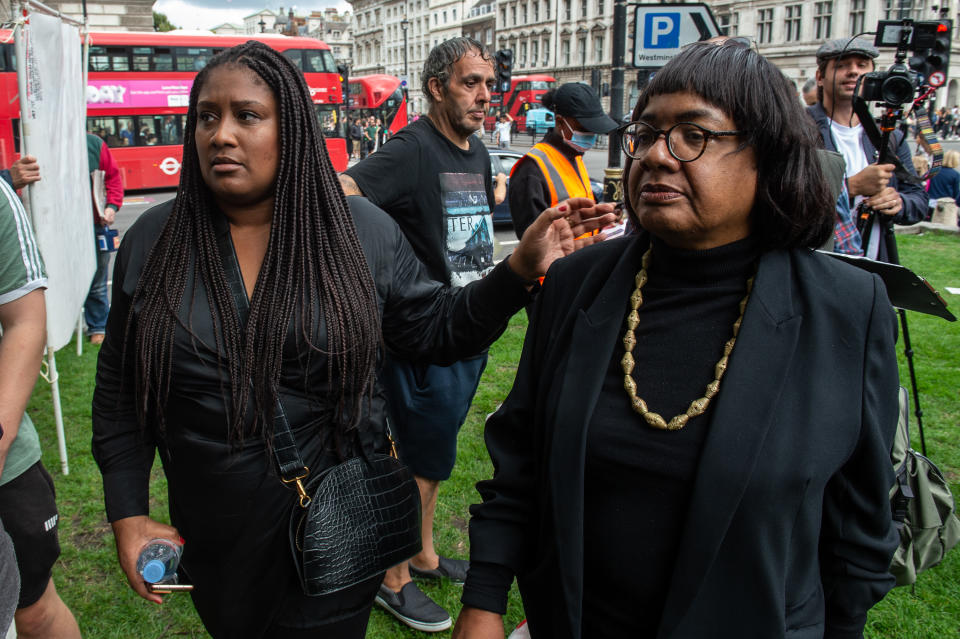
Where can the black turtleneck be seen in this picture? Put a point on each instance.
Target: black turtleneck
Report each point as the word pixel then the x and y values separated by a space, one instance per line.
pixel 638 479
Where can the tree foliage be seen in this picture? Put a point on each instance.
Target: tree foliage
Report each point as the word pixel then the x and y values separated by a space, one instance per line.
pixel 162 23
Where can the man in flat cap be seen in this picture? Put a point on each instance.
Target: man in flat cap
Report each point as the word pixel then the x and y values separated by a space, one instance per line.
pixel 840 63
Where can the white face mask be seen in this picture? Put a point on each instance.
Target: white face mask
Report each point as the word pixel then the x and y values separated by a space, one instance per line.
pixel 580 141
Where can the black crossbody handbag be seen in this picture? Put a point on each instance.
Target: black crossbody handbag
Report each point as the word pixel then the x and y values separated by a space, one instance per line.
pixel 350 522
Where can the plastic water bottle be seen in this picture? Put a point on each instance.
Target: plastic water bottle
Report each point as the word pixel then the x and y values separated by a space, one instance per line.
pixel 158 561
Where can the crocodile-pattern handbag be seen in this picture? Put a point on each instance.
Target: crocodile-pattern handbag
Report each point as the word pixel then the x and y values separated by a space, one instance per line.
pixel 360 518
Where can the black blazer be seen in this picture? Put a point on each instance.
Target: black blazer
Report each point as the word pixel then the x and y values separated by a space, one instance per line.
pixel 789 530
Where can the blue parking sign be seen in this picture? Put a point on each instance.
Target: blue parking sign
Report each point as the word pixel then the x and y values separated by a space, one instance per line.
pixel 661 31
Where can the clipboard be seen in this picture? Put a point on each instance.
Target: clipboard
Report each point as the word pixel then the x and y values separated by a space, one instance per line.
pixel 906 289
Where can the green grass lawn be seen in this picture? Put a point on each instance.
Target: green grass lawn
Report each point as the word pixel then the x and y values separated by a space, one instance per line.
pixel 89 579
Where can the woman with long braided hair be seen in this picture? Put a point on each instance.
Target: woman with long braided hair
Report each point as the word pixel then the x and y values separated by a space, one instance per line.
pixel 262 285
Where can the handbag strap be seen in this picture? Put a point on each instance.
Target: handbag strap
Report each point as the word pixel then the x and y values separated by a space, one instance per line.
pixel 291 466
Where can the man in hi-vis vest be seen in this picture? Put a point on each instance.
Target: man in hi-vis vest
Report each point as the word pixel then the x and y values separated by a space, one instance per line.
pixel 553 169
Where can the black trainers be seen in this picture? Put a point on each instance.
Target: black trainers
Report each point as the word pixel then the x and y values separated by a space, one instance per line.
pixel 413 608
pixel 452 569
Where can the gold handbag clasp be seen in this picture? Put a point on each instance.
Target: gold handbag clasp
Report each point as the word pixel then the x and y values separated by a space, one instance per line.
pixel 298 480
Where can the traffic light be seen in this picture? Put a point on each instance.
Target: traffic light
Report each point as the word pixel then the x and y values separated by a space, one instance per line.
pixel 933 60
pixel 504 61
pixel 938 59
pixel 344 72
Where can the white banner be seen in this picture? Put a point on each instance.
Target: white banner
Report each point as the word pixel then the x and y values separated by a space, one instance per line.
pixel 53 113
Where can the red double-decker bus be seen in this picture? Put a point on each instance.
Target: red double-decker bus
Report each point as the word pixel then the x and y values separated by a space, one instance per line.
pixel 524 94
pixel 381 96
pixel 138 87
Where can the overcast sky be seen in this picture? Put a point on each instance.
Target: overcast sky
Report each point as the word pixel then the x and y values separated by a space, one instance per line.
pixel 205 14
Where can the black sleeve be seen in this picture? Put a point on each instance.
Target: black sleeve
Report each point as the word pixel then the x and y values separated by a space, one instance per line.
pixel 428 321
pixel 857 538
pixel 388 177
pixel 7 177
pixel 915 201
pixel 503 527
pixel 528 194
pixel 122 449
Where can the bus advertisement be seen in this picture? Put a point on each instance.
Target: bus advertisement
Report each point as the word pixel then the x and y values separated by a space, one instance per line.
pixel 524 94
pixel 138 88
pixel 381 96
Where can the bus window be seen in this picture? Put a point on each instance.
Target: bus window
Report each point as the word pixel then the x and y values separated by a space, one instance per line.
pixel 119 58
pixel 172 132
pixel 163 59
pixel 99 60
pixel 151 129
pixel 314 61
pixel 540 85
pixel 105 129
pixel 193 58
pixel 328 62
pixel 329 117
pixel 141 58
pixel 296 56
pixel 125 131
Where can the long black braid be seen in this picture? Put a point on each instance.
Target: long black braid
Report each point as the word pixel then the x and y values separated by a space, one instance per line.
pixel 313 260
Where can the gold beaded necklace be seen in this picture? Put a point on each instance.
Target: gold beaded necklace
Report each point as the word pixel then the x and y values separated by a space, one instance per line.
pixel 697 406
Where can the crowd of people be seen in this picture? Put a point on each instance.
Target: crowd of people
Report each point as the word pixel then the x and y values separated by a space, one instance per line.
pixel 703 410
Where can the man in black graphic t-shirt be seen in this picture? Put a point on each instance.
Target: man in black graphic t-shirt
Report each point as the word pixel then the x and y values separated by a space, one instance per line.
pixel 433 177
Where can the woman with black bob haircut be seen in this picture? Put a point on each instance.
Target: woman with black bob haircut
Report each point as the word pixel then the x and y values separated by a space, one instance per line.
pixel 697 441
pixel 793 206
pixel 260 285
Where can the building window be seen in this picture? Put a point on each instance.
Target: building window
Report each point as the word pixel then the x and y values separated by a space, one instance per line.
pixel 765 26
pixel 536 11
pixel 567 10
pixel 582 48
pixel 526 16
pixel 598 48
pixel 821 20
pixel 488 37
pixel 565 52
pixel 454 15
pixel 523 54
pixel 546 10
pixel 513 14
pixel 792 22
pixel 857 11
pixel 444 17
pixel 600 8
pixel 583 8
pixel 503 16
pixel 546 52
pixel 729 23
pixel 534 52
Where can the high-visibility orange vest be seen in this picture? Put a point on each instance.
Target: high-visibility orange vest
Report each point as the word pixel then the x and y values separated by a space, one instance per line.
pixel 564 180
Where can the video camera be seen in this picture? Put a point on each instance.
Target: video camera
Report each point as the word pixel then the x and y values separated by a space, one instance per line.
pixel 928 42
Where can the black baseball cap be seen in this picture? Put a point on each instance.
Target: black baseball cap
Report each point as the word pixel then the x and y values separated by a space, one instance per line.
pixel 845 46
pixel 579 101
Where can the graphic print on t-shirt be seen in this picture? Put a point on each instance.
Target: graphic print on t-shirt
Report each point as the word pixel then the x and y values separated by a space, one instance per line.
pixel 467 224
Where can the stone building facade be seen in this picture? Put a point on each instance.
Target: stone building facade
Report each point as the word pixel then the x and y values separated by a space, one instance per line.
pixel 110 15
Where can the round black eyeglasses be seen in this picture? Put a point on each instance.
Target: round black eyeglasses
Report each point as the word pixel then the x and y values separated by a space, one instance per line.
pixel 686 141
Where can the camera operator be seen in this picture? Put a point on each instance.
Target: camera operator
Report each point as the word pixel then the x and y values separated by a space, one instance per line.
pixel 840 63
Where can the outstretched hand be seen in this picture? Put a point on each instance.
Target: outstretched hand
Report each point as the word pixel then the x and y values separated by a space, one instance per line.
pixel 558 232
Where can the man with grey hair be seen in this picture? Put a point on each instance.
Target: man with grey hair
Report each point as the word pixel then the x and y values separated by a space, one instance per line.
pixel 433 177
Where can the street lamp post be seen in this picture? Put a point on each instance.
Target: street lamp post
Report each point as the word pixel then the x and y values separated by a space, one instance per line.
pixel 263 25
pixel 613 176
pixel 405 24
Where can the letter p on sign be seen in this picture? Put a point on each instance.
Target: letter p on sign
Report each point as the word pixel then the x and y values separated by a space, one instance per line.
pixel 661 31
